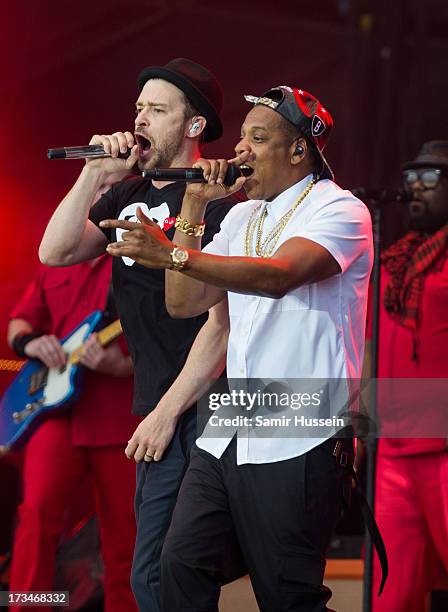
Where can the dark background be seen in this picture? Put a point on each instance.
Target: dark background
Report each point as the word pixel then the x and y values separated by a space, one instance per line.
pixel 69 70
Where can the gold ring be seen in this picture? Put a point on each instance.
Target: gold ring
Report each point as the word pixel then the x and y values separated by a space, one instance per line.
pixel 150 457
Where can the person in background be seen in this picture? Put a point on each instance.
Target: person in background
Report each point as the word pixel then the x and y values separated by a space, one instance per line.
pixel 87 440
pixel 412 473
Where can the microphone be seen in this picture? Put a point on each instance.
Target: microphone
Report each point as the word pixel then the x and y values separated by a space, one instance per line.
pixel 195 175
pixel 383 195
pixel 87 152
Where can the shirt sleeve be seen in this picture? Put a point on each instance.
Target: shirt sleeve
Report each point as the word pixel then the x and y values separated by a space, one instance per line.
pixel 343 228
pixel 32 306
pixel 105 208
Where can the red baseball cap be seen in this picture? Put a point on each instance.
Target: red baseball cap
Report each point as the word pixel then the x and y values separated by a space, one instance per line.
pixel 306 113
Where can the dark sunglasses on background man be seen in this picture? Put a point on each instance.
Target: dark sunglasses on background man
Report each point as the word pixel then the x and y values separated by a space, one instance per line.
pixel 428 177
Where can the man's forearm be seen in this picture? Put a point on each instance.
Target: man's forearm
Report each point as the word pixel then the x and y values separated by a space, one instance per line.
pixel 207 277
pixel 125 368
pixel 66 227
pixel 256 276
pixel 121 367
pixel 205 362
pixel 178 285
pixel 298 261
pixel 16 327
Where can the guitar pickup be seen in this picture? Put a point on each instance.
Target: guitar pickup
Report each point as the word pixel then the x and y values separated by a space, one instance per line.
pixel 38 380
pixel 20 416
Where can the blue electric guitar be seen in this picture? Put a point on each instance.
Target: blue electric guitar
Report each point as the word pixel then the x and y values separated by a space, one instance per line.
pixel 38 391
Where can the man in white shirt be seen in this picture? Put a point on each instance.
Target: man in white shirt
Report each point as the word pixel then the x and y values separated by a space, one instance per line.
pixel 295 262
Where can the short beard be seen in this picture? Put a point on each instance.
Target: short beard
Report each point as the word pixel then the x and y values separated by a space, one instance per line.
pixel 163 154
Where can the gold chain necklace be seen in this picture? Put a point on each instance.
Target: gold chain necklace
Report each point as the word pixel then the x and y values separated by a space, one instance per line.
pixel 265 248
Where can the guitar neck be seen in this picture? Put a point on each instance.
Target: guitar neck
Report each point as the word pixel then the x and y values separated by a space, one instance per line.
pixel 104 336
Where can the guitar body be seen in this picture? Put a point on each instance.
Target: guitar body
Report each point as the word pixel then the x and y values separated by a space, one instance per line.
pixel 38 391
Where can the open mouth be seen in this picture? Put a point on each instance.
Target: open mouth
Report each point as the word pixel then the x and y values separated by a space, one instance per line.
pixel 144 145
pixel 417 208
pixel 246 170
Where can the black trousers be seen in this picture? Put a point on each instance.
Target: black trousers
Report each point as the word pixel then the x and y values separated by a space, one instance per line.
pixel 155 497
pixel 273 520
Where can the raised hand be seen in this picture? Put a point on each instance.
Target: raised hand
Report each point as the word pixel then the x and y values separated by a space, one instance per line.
pixel 145 242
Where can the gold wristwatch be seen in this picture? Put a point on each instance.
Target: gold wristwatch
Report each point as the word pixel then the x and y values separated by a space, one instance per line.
pixel 179 258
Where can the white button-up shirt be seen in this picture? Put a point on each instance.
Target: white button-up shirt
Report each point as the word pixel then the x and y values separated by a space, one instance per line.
pixel 316 331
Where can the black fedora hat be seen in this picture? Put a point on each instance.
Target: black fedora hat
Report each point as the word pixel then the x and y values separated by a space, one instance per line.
pixel 199 85
pixel 432 154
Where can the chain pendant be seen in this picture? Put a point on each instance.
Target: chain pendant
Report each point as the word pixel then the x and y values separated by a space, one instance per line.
pixel 266 247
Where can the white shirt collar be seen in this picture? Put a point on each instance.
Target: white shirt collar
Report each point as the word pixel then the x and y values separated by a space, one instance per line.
pixel 283 202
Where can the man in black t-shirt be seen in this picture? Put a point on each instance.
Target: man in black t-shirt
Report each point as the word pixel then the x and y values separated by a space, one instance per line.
pixel 159 344
pixel 177 109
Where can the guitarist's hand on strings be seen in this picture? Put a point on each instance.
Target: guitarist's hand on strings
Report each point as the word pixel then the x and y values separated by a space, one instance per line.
pixel 47 349
pixel 109 360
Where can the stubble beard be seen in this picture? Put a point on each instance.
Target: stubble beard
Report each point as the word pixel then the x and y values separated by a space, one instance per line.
pixel 163 154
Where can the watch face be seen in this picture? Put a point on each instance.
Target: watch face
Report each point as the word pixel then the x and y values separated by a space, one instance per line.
pixel 179 258
pixel 180 255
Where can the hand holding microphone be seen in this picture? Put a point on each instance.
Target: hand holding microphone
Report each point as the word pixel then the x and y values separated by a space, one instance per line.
pixel 220 178
pixel 110 153
pixel 83 152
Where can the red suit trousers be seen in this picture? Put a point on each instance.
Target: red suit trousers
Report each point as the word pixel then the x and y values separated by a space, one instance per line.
pixel 54 470
pixel 412 513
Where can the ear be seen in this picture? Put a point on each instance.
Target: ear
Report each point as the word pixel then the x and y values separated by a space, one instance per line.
pixel 299 150
pixel 195 126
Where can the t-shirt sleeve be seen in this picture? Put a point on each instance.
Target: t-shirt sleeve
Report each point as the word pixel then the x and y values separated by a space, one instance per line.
pixel 105 208
pixel 32 306
pixel 343 227
pixel 214 215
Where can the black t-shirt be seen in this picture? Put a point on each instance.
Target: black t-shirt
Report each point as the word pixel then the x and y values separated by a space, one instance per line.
pixel 158 344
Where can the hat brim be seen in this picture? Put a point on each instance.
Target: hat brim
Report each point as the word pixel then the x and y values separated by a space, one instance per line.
pixel 425 161
pixel 213 128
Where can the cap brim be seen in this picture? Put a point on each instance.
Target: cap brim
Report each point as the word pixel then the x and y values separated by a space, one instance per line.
pixel 213 129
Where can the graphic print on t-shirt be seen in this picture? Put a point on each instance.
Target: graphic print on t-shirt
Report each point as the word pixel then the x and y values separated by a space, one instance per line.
pixel 129 213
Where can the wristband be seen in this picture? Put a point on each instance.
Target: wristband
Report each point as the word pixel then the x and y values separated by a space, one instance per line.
pixel 188 228
pixel 21 340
